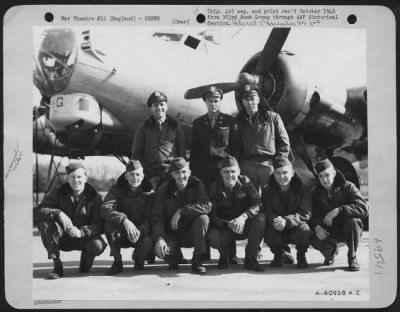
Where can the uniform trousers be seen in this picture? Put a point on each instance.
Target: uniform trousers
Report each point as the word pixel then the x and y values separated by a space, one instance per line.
pixel 117 238
pixel 54 239
pixel 258 172
pixel 192 234
pixel 349 231
pixel 300 236
pixel 222 238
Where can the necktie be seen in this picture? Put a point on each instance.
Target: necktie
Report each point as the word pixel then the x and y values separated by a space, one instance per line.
pixel 212 121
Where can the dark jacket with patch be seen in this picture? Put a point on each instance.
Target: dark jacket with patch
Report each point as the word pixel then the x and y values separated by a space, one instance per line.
pixel 264 138
pixel 121 203
pixel 295 208
pixel 156 147
pixel 193 201
pixel 225 207
pixel 85 214
pixel 218 141
pixel 345 196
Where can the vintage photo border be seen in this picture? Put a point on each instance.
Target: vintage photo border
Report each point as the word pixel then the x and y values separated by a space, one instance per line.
pixel 381 86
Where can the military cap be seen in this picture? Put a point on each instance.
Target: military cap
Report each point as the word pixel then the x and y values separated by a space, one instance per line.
pixel 133 165
pixel 177 164
pixel 280 162
pixel 249 89
pixel 156 96
pixel 228 161
pixel 323 165
pixel 213 91
pixel 73 166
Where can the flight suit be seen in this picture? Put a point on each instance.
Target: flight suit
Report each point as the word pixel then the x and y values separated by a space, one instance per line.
pixel 262 138
pixel 211 144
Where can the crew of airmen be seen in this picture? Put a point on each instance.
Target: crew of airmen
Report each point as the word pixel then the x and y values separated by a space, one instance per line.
pixel 240 183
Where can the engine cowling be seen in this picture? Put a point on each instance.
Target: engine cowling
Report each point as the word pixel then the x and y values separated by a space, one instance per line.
pixel 77 111
pixel 81 123
pixel 322 114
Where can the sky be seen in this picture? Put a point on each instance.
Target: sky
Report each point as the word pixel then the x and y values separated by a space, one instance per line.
pixel 335 57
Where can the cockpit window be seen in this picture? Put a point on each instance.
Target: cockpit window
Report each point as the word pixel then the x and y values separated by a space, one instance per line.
pixel 55 60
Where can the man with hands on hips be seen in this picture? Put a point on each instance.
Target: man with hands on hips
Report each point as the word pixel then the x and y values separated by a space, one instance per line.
pixel 337 213
pixel 69 219
pixel 180 216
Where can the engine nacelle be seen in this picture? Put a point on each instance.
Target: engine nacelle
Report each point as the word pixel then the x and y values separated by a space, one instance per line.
pixel 74 112
pixel 81 123
pixel 79 112
pixel 308 107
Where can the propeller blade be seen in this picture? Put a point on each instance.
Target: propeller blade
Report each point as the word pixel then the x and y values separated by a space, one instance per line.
pixel 271 49
pixel 198 92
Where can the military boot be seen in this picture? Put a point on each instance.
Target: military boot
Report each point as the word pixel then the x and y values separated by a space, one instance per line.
pixel 116 267
pixel 353 264
pixel 86 262
pixel 223 262
pixel 251 263
pixel 301 259
pixel 197 266
pixel 277 261
pixel 58 270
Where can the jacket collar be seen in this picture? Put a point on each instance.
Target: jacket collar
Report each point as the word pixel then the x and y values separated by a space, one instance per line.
pixel 168 121
pixel 261 115
pixel 295 183
pixel 220 183
pixel 338 181
pixel 146 186
pixel 172 185
pixel 89 191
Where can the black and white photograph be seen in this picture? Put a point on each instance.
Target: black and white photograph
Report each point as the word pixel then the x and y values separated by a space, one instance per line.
pixel 209 164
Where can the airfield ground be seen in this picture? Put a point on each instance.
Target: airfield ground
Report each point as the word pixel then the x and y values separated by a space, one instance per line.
pixel 156 287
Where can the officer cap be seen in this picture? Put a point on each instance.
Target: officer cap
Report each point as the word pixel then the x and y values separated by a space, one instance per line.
pixel 248 90
pixel 156 96
pixel 213 91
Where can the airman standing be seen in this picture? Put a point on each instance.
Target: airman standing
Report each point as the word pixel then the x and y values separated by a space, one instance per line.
pixel 158 140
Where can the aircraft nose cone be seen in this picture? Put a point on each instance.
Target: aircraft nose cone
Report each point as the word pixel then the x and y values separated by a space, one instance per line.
pixel 54 61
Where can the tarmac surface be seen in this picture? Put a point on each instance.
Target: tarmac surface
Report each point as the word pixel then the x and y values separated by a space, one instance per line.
pixel 157 287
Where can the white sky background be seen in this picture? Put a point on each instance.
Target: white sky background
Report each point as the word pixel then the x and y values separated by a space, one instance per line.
pixel 335 56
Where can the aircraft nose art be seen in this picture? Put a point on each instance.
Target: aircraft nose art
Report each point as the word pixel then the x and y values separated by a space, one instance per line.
pixel 54 61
